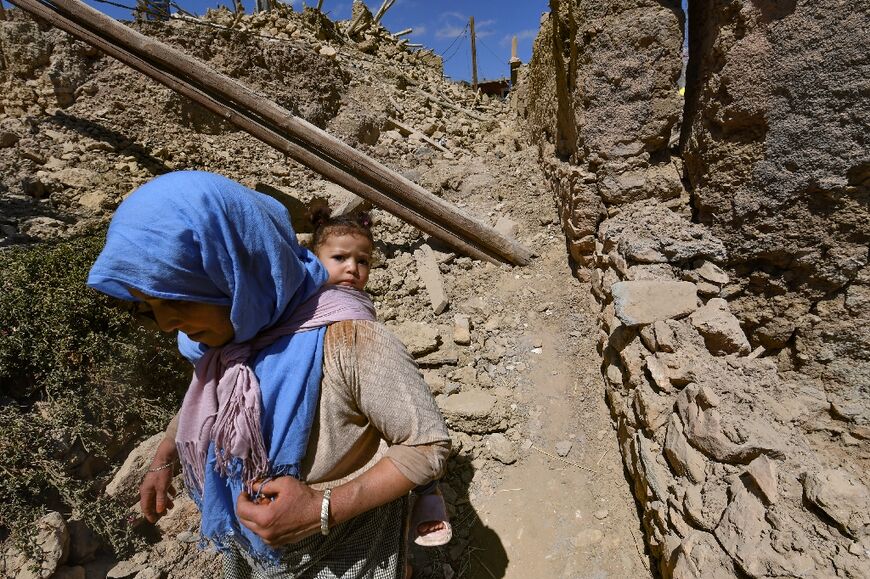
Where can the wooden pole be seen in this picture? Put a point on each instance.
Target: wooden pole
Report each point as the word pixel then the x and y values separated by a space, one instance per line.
pixel 387 4
pixel 403 32
pixel 473 56
pixel 269 122
pixel 320 5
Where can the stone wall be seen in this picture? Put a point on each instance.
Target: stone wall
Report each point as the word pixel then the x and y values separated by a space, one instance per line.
pixel 712 439
pixel 744 451
pixel 777 159
pixel 602 104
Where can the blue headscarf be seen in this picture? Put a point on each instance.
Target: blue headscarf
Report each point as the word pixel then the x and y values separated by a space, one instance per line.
pixel 197 236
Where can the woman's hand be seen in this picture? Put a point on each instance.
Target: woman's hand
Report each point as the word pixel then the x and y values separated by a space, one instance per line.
pixel 156 491
pixel 290 513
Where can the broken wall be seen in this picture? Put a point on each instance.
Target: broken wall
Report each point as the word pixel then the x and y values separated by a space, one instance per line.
pixel 601 103
pixel 729 448
pixel 776 154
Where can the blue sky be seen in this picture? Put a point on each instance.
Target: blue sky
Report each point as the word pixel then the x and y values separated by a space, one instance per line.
pixel 438 25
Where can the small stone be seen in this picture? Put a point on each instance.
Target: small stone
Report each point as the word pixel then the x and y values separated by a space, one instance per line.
pixel 856 549
pixel 419 338
pixel 506 227
pixel 601 514
pixel 763 472
pixel 461 330
pixel 563 447
pixel 187 537
pixel 665 338
pixel 711 272
pixel 328 52
pixel 501 448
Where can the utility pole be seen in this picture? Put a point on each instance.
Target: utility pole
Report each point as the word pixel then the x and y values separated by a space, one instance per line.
pixel 473 56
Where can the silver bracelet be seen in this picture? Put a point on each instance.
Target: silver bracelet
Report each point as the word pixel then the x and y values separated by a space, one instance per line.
pixel 163 467
pixel 324 512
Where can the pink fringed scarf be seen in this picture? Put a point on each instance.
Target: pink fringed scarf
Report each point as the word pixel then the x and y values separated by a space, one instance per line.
pixel 223 403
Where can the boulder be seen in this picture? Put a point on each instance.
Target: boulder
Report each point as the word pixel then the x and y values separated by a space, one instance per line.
pixel 124 486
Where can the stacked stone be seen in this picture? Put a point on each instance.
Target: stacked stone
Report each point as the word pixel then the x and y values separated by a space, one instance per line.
pixel 727 483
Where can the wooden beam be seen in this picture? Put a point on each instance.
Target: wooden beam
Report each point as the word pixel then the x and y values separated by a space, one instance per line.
pixel 279 128
pixel 386 5
pixel 403 32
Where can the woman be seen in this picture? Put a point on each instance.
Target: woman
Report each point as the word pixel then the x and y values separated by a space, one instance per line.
pixel 299 438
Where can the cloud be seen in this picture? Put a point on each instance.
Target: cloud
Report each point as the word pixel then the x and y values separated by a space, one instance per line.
pixel 527 34
pixel 454 23
pixel 419 30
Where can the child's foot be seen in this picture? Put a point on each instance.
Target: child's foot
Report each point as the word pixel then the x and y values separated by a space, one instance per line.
pixel 429 523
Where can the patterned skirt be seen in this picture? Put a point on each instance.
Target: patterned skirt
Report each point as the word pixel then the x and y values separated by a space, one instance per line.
pixel 369 546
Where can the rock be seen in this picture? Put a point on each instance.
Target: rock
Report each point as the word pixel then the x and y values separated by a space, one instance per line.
pixel 95 199
pixel 124 486
pixel 644 302
pixel 474 411
pixel 601 514
pixel 129 568
pixel 711 272
pixel 563 447
pixel 501 448
pixel 427 268
pixel 702 428
pixel 51 541
pixel 7 139
pixel 77 177
pixel 700 556
pixel 419 338
pixel 720 328
pixel 461 330
pixel 762 470
pixel 328 52
pixel 685 460
pixel 842 497
pixel 665 338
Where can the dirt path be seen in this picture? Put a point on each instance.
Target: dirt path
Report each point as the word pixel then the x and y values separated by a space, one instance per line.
pixel 555 516
pixel 544 515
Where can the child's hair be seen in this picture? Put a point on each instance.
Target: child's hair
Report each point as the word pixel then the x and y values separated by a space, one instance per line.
pixel 326 226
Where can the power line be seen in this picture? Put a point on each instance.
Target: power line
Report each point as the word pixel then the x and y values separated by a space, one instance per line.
pixel 455 52
pixel 454 40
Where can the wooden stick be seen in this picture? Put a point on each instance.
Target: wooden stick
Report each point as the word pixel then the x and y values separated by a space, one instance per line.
pixel 249 121
pixel 411 131
pixel 320 5
pixel 450 105
pixel 403 32
pixel 386 5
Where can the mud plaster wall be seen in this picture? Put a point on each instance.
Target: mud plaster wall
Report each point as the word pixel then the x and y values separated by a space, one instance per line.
pixel 729 454
pixel 777 158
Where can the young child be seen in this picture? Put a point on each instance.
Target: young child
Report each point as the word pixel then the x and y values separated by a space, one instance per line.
pixel 344 245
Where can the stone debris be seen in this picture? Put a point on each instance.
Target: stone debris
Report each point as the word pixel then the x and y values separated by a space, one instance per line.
pixel 645 302
pixel 720 328
pixel 461 330
pixel 843 498
pixel 427 268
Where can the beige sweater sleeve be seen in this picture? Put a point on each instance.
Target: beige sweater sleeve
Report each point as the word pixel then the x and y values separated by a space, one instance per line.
pixel 373 403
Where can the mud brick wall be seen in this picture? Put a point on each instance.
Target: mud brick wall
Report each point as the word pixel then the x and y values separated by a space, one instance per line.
pixel 776 156
pixel 600 99
pixel 711 438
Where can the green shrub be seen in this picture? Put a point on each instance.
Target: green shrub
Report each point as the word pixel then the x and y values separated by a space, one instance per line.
pixel 80 384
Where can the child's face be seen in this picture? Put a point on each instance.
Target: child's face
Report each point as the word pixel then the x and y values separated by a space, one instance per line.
pixel 346 258
pixel 206 323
